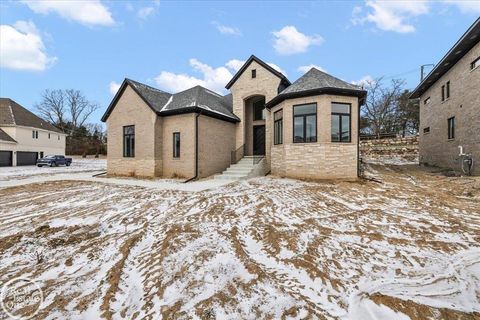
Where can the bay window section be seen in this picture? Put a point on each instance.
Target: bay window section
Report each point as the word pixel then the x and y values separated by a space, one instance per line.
pixel 305 123
pixel 129 141
pixel 278 127
pixel 341 122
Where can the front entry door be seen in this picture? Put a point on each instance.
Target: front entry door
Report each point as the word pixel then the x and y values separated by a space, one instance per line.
pixel 258 140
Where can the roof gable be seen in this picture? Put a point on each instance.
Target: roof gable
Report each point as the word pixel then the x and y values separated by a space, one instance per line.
pixel 5 137
pixel 260 62
pixel 11 114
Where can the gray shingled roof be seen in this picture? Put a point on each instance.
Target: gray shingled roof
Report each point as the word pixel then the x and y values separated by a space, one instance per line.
pixel 5 137
pixel 202 98
pixel 316 82
pixel 11 114
pixel 316 79
pixel 155 97
pixel 196 99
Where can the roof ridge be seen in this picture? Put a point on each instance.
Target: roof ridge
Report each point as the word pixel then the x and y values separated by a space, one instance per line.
pixel 146 85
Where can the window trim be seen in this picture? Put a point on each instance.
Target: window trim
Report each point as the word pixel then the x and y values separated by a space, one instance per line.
pixel 341 115
pixel 174 154
pixel 275 142
pixel 304 116
pixel 451 128
pixel 132 155
pixel 472 64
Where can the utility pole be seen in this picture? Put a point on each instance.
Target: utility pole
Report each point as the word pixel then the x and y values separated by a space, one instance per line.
pixel 422 68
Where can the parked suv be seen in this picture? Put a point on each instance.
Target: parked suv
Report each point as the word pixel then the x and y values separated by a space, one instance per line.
pixel 54 161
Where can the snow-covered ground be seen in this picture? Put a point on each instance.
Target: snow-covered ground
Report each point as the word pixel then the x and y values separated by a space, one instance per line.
pixel 405 247
pixel 78 165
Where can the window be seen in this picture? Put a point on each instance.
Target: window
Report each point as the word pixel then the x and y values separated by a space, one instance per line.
pixel 258 109
pixel 128 141
pixel 254 73
pixel 451 128
pixel 426 101
pixel 443 93
pixel 341 122
pixel 426 130
pixel 58 137
pixel 278 127
pixel 475 63
pixel 305 123
pixel 34 134
pixel 448 89
pixel 48 135
pixel 176 144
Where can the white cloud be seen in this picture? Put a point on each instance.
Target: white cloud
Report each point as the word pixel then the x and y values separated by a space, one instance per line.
pixel 212 78
pixel 86 12
pixel 236 64
pixel 364 81
pixel 289 41
pixel 466 6
pixel 145 12
pixel 114 86
pixel 305 69
pixel 391 15
pixel 226 29
pixel 22 48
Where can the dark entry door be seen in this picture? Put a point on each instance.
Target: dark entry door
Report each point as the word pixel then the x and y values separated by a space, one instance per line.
pixel 26 158
pixel 258 140
pixel 5 158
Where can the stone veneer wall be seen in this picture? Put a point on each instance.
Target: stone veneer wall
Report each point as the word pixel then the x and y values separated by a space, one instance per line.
pixel 383 150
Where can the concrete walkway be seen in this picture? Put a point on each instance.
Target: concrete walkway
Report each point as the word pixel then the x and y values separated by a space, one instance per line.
pixel 161 184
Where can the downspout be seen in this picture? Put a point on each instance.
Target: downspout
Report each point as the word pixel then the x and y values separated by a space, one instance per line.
pixel 358 140
pixel 196 148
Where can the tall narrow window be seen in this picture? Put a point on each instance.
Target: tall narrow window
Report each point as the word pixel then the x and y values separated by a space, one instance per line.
pixel 278 127
pixel 448 89
pixel 129 141
pixel 341 122
pixel 33 134
pixel 305 123
pixel 259 109
pixel 443 93
pixel 176 144
pixel 451 128
pixel 254 73
pixel 49 136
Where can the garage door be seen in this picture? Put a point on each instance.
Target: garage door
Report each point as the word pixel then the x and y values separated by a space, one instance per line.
pixel 26 158
pixel 5 158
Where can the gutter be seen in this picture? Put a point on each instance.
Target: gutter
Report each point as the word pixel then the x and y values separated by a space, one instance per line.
pixel 196 148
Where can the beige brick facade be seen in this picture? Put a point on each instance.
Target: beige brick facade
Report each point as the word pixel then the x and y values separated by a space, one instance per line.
pixel 316 160
pixel 154 142
pixel 464 104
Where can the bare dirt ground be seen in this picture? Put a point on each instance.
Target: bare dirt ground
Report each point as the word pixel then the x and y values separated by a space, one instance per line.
pixel 406 245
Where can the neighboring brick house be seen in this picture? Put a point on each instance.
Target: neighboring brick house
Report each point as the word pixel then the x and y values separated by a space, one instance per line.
pixel 308 129
pixel 450 105
pixel 24 137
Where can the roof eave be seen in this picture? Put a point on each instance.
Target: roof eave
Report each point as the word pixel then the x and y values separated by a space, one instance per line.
pixel 361 94
pixel 195 109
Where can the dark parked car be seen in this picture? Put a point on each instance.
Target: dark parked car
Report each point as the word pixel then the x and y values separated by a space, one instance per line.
pixel 54 161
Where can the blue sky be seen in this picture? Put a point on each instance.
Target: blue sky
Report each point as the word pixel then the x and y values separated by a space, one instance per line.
pixel 93 45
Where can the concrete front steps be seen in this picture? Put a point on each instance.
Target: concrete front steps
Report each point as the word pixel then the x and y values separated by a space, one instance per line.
pixel 243 169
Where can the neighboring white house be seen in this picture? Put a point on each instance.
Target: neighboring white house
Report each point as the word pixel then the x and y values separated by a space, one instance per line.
pixel 24 137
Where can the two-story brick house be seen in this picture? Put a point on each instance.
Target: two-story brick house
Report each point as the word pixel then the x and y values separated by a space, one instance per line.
pixel 450 105
pixel 308 129
pixel 24 137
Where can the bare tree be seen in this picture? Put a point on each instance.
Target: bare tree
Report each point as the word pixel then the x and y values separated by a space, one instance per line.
pixel 52 108
pixel 381 106
pixel 66 109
